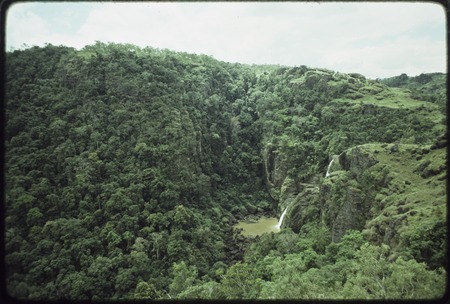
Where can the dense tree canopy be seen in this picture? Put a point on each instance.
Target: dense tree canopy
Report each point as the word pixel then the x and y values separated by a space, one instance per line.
pixel 127 167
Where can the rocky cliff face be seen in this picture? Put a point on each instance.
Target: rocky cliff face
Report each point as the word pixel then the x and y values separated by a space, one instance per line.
pixel 339 201
pixel 356 160
pixel 275 171
pixel 286 191
pixel 303 208
pixel 394 193
pixel 343 200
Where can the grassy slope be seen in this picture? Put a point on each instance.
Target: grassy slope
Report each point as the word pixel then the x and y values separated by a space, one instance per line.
pixel 389 97
pixel 413 199
pixel 377 94
pixel 409 208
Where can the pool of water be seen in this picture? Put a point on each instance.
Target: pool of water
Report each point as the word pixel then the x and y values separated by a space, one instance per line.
pixel 263 225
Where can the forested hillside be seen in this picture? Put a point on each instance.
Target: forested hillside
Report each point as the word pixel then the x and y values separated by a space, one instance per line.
pixel 126 169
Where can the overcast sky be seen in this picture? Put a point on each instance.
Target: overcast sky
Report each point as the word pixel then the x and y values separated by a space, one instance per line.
pixel 375 39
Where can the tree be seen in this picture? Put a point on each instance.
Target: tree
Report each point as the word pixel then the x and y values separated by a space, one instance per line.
pixel 100 275
pixel 239 282
pixel 74 286
pixel 34 216
pixel 412 280
pixel 377 278
pixel 145 291
pixel 183 277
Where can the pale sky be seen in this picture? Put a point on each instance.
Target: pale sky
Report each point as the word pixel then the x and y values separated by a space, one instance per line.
pixel 375 39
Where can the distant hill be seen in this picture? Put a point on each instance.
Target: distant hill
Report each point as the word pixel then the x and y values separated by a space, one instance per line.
pixel 429 87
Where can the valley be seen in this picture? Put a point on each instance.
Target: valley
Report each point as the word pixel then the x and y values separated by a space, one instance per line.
pixel 148 174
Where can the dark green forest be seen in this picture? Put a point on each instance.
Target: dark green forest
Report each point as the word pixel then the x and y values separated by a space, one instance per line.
pixel 126 169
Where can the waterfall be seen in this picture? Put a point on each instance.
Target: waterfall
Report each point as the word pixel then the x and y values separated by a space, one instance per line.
pixel 329 166
pixel 278 226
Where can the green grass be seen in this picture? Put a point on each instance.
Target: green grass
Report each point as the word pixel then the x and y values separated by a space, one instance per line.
pixel 413 199
pixel 394 98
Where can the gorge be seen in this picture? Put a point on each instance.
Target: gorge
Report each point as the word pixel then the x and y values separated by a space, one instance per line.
pixel 127 168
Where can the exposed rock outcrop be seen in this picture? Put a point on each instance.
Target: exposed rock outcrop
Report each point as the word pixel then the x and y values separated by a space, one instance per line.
pixel 304 208
pixel 356 160
pixel 344 205
pixel 275 171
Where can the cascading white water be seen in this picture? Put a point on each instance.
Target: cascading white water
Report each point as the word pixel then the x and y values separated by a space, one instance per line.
pixel 329 166
pixel 278 226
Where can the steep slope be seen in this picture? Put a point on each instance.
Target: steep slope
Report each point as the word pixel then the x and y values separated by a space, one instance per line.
pixel 121 161
pixel 125 169
pixel 396 193
pixel 319 113
pixel 403 208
